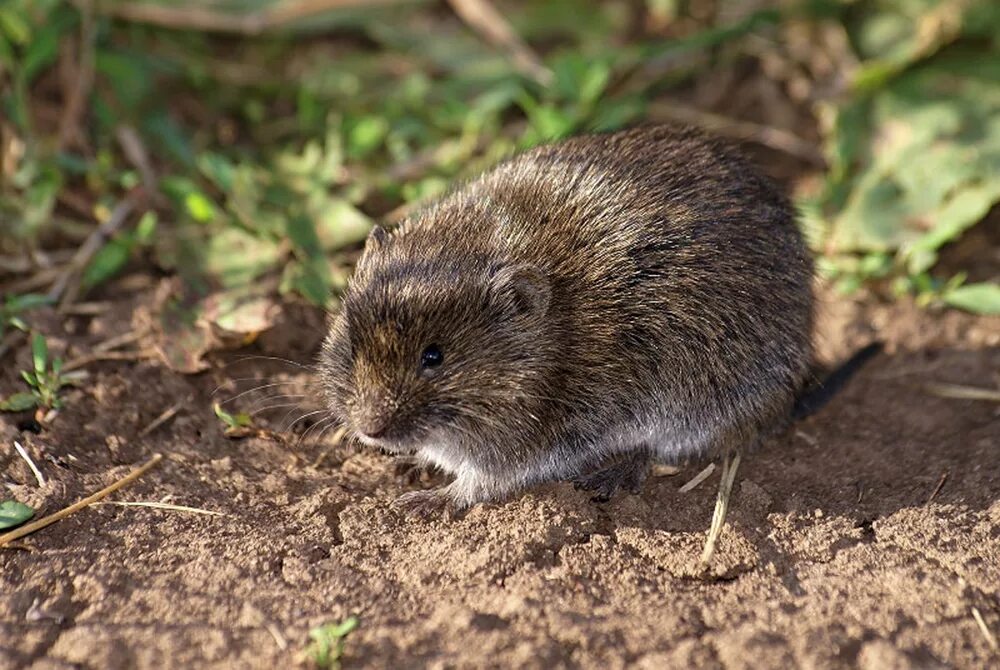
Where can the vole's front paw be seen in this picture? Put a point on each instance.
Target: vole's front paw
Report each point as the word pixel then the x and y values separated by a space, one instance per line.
pixel 408 470
pixel 425 504
pixel 629 474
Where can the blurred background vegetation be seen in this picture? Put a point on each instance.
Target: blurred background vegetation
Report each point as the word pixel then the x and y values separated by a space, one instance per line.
pixel 242 148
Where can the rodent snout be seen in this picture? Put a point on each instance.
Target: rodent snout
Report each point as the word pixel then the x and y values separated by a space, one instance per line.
pixel 372 426
pixel 372 419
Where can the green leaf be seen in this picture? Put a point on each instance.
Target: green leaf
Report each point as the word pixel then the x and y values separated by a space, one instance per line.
pixel 310 110
pixel 340 224
pixel 345 627
pixel 311 278
pixel 20 303
pixel 106 263
pixel 238 420
pixel 594 82
pixel 217 168
pixel 425 189
pixel 39 353
pixel 200 207
pixel 896 35
pixel 242 311
pixel 14 25
pixel 145 228
pixel 19 402
pixel 302 233
pixel 170 135
pixel 327 647
pixel 365 135
pixel 234 257
pixel 612 114
pixel 548 122
pixel 178 188
pixel 981 298
pixel 717 35
pixel 40 54
pixel 916 163
pixel 129 79
pixel 7 57
pixel 13 513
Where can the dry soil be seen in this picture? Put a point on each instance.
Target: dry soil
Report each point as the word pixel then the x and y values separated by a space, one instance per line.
pixel 865 536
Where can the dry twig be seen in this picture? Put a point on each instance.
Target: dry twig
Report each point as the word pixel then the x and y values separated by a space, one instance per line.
pixel 165 416
pixel 698 478
pixel 86 308
pixel 87 359
pixel 775 138
pixel 67 286
pixel 730 463
pixel 191 16
pixel 24 263
pixel 75 106
pixel 279 639
pixel 36 281
pixel 137 154
pixel 7 538
pixel 937 489
pixel 31 464
pixel 987 633
pixel 806 437
pixel 113 343
pixel 163 506
pixel 483 17
pixel 960 392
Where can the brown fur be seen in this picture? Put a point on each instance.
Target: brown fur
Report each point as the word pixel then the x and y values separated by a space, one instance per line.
pixel 593 299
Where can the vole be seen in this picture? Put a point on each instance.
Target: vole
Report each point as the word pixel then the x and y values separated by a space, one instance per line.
pixel 612 298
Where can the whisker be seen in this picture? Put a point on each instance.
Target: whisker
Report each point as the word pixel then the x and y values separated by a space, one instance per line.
pixel 284 419
pixel 319 425
pixel 258 357
pixel 351 434
pixel 304 416
pixel 335 426
pixel 255 378
pixel 325 421
pixel 257 412
pixel 254 389
pixel 280 396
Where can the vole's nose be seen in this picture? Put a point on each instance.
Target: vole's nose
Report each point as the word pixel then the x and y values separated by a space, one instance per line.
pixel 372 425
pixel 374 430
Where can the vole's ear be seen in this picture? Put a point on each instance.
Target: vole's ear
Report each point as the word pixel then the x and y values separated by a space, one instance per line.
pixel 525 287
pixel 377 239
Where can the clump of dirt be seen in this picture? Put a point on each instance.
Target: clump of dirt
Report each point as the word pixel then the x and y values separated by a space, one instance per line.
pixel 865 536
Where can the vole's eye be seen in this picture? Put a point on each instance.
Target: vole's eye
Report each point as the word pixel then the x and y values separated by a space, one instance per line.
pixel 432 357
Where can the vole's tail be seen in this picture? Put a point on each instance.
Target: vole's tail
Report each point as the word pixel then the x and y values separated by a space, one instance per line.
pixel 813 398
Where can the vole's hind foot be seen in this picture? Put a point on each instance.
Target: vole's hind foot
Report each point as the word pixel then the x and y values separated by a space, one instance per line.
pixel 627 474
pixel 425 504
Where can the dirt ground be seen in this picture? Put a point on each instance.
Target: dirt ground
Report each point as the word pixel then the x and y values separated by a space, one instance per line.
pixel 864 537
